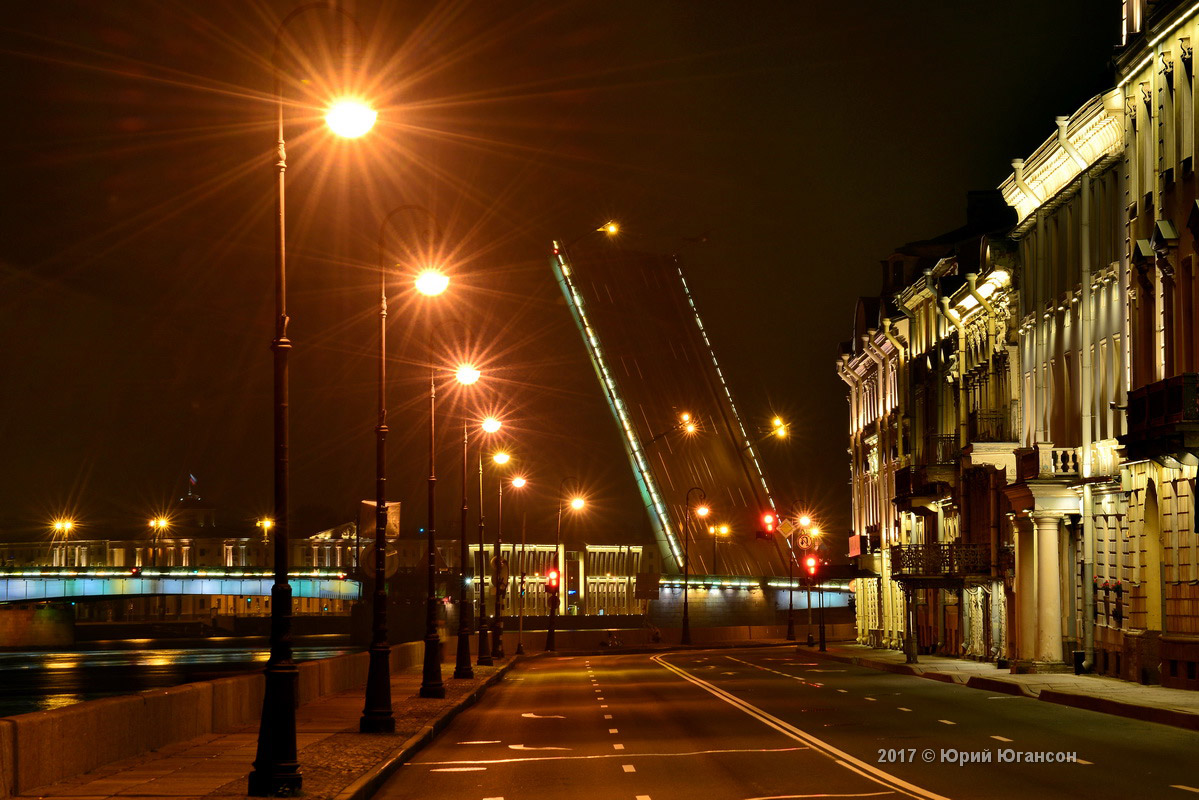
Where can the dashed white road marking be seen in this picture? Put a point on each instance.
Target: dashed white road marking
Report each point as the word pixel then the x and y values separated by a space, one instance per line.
pixel 1001 738
pixel 459 769
pixel 601 700
pixel 628 768
pixel 597 691
pixel 604 705
pixel 643 797
pixel 1184 788
pixel 613 730
pixel 531 715
pixel 947 722
pixel 1089 764
pixel 489 741
pixel 872 699
pixel 901 708
pixel 618 747
pixel 607 716
pixel 843 691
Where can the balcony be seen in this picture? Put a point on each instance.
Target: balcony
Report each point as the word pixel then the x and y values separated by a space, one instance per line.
pixel 940 560
pixel 1163 421
pixel 1045 462
pixel 988 426
pixel 938 449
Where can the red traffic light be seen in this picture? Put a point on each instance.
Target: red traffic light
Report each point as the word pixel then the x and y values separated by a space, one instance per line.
pixel 768 523
pixel 810 565
pixel 551 581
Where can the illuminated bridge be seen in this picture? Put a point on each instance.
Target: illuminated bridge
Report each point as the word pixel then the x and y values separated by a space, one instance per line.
pixel 35 584
pixel 655 364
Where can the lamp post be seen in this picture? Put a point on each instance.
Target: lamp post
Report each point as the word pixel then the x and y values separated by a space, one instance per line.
pixel 483 658
pixel 519 483
pixel 700 511
pixel 276 771
pixel 158 525
pixel 467 375
pixel 377 716
pixel 432 282
pixel 576 503
pixel 717 531
pixel 499 578
pixel 62 528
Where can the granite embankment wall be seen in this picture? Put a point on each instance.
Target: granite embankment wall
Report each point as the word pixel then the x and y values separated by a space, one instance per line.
pixel 47 746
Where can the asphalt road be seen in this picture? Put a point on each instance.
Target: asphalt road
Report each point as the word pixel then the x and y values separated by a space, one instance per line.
pixel 775 723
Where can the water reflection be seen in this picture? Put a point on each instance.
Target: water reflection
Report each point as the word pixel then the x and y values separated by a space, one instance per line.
pixel 36 681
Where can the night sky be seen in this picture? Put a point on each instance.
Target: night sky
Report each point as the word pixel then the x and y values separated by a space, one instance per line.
pixel 802 140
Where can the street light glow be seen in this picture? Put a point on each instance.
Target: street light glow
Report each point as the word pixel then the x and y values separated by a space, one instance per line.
pixel 501 458
pixel 689 427
pixel 576 503
pixel 724 530
pixel 63 525
pixel 702 511
pixel 266 524
pixel 467 374
pixel 491 425
pixel 350 118
pixel 518 482
pixel 611 227
pixel 805 521
pixel 432 282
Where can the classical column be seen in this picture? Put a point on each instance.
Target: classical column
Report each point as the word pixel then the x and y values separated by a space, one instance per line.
pixel 1026 593
pixel 1049 596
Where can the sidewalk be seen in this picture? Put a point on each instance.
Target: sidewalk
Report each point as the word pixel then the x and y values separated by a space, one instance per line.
pixel 336 761
pixel 1177 707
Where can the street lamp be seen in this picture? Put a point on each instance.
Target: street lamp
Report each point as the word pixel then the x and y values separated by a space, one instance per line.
pixel 499 578
pixel 519 483
pixel 158 526
pixel 466 375
pixel 700 511
pixel 62 528
pixel 716 531
pixel 276 770
pixel 432 282
pixel 346 118
pixel 483 657
pixel 576 503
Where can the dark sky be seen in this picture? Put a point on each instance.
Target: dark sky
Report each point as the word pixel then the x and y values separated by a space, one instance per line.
pixel 805 140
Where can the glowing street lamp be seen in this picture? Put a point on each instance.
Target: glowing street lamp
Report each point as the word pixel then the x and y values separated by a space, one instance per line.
pixel 499 580
pixel 350 118
pixel 483 658
pixel 466 375
pixel 158 525
pixel 432 282
pixel 554 584
pixel 276 770
pixel 519 482
pixel 491 425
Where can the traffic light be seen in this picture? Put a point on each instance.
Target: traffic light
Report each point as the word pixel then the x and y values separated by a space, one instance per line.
pixel 769 522
pixel 551 581
pixel 811 565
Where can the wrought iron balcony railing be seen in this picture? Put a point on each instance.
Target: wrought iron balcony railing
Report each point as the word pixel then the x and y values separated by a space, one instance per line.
pixel 943 559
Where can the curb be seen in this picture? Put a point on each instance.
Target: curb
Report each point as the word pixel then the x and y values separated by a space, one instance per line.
pixel 1162 716
pixel 367 784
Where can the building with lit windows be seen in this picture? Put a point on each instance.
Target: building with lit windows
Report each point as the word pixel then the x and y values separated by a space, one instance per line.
pixel 1148 589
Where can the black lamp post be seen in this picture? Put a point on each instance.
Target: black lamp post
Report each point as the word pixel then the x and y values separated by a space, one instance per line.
pixel 699 511
pixel 377 716
pixel 431 685
pixel 276 769
pixel 790 591
pixel 462 667
pixel 483 657
pixel 499 580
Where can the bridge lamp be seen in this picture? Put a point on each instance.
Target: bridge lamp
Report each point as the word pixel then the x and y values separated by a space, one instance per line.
pixel 432 282
pixel 501 457
pixel 467 374
pixel 491 425
pixel 577 503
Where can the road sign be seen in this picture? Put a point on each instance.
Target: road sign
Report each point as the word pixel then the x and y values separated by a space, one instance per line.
pixel 804 542
pixel 786 528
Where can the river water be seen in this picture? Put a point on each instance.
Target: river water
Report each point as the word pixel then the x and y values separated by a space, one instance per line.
pixel 39 680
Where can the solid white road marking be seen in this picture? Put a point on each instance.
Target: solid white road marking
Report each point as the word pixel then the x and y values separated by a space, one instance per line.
pixel 628 768
pixel 526 747
pixel 1001 738
pixel 839 756
pixel 490 741
pixel 1184 788
pixel 531 715
pixel 798 796
pixel 459 769
pixel 901 708
pixel 612 755
pixel 618 747
pixel 946 722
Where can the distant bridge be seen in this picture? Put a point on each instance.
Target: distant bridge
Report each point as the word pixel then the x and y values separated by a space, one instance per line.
pixel 34 584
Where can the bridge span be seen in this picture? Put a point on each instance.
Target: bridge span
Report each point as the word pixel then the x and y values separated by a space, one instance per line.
pixel 36 584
